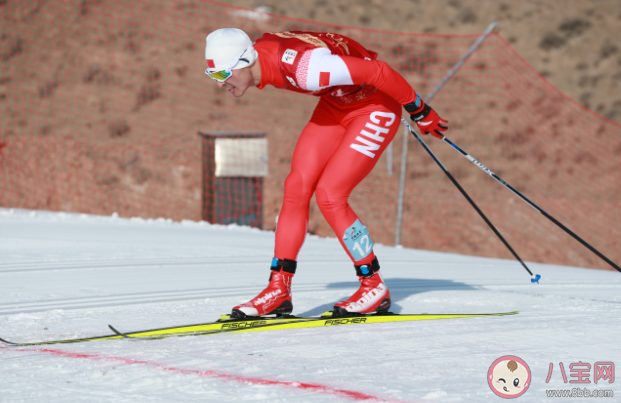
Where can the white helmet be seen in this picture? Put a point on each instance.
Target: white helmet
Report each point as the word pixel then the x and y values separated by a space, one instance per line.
pixel 229 49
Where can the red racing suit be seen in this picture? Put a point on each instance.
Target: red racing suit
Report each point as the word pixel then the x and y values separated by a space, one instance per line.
pixel 356 118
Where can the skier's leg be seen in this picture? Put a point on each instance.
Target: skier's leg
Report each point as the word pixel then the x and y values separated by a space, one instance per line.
pixel 369 131
pixel 318 141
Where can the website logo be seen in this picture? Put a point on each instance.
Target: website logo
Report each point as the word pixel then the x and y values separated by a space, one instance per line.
pixel 509 377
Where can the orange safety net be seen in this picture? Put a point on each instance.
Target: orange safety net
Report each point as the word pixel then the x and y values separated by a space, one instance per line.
pixel 102 103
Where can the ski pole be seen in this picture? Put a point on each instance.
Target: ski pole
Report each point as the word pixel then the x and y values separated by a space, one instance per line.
pixel 534 277
pixel 430 96
pixel 530 203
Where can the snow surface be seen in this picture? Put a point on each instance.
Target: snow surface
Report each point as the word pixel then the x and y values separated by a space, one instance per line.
pixel 68 275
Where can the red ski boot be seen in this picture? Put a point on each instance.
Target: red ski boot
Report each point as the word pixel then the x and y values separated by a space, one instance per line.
pixel 276 298
pixel 372 296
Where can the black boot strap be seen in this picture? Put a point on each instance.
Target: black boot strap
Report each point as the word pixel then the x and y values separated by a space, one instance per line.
pixel 284 265
pixel 367 270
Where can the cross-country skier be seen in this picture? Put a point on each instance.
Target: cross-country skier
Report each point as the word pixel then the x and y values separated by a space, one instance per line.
pixel 356 118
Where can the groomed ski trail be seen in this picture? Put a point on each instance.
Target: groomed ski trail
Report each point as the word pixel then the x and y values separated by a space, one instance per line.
pixel 78 273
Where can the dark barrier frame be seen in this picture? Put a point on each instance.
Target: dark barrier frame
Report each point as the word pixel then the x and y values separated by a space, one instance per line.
pixel 213 188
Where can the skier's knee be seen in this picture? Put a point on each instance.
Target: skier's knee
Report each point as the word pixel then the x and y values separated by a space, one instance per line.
pixel 329 203
pixel 323 200
pixel 295 194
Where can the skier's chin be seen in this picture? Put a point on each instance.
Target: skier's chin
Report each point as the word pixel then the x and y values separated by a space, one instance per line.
pixel 236 91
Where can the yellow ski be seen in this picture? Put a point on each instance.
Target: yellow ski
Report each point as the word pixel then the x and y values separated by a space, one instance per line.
pixel 235 326
pixel 226 324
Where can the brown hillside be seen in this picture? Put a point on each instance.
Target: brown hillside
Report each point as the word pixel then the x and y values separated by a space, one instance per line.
pixel 101 102
pixel 573 43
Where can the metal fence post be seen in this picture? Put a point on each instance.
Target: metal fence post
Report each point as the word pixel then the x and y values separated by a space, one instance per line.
pixel 432 94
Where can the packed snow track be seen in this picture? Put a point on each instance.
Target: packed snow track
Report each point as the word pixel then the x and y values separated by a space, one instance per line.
pixel 65 276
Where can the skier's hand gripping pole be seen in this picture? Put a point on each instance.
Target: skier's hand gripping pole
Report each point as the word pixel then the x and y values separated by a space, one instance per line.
pixel 426 118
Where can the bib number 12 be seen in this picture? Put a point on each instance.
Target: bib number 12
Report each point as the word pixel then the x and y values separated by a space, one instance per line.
pixel 363 250
pixel 357 240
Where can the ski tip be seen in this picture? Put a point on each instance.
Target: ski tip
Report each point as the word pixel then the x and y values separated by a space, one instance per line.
pixel 8 342
pixel 535 279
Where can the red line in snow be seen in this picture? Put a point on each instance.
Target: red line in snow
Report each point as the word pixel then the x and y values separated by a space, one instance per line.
pixel 313 387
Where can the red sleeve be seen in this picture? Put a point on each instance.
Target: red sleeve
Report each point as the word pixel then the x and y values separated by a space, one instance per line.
pixel 380 75
pixel 268 57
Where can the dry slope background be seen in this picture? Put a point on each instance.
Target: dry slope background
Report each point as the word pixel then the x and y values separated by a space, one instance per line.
pixel 101 101
pixel 575 44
